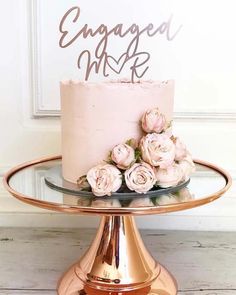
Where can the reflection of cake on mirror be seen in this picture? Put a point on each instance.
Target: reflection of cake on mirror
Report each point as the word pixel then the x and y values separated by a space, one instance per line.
pixel 117 134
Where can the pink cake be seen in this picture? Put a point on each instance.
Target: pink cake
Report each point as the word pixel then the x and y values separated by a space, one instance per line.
pixel 97 116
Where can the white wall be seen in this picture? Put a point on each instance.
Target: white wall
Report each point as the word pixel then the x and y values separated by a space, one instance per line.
pixel 24 136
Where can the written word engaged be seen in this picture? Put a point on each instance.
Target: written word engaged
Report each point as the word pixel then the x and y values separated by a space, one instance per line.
pixel 101 61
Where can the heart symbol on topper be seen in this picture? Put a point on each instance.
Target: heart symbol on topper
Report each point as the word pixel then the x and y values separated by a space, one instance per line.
pixel 117 65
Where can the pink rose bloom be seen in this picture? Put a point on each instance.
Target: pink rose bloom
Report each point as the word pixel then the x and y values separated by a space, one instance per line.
pixel 140 177
pixel 123 155
pixel 187 165
pixel 157 150
pixel 180 149
pixel 104 179
pixel 170 176
pixel 153 121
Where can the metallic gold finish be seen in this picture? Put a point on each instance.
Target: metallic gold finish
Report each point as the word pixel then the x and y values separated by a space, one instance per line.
pixel 117 263
pixel 116 211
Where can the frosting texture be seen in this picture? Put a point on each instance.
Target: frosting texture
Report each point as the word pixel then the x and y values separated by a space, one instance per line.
pixel 97 116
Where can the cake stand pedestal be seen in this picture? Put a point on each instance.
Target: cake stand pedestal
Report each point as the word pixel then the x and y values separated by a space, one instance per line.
pixel 117 262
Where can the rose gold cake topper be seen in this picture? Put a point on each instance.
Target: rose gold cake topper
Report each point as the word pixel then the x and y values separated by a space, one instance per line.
pixel 104 62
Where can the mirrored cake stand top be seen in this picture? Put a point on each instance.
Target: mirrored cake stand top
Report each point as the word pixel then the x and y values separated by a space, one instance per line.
pixel 27 183
pixel 117 261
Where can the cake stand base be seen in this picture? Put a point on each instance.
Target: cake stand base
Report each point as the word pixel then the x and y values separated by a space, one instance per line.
pixel 164 284
pixel 117 263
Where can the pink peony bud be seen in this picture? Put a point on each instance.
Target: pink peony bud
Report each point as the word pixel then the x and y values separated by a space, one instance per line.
pixel 180 149
pixel 153 121
pixel 123 155
pixel 104 179
pixel 187 165
pixel 169 177
pixel 157 150
pixel 140 177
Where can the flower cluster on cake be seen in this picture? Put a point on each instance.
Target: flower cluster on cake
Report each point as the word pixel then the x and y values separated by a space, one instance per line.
pixel 157 160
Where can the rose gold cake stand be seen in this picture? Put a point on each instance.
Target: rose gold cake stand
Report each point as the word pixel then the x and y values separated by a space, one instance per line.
pixel 117 261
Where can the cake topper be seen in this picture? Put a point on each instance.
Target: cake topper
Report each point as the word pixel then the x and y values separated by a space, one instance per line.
pixel 101 61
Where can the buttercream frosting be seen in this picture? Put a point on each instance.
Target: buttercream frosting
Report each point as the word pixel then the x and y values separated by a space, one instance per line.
pixel 97 116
